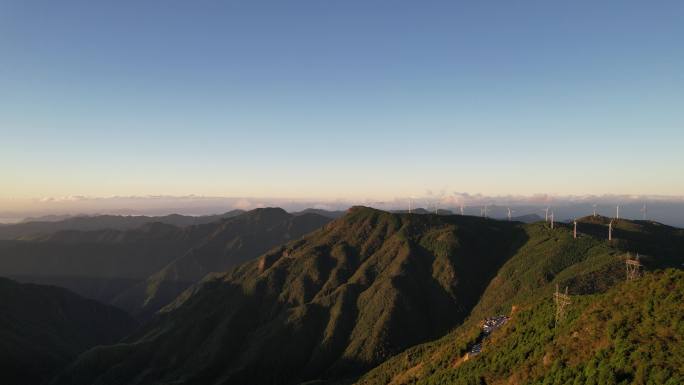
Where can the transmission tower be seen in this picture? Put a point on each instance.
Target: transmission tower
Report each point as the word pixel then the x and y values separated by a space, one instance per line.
pixel 633 267
pixel 562 301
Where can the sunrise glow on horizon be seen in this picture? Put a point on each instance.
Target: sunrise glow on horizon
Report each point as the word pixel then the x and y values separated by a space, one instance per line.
pixel 339 100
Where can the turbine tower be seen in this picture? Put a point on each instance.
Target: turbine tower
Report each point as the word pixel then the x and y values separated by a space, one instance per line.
pixel 546 214
pixel 409 206
pixel 574 230
pixel 644 211
pixel 552 220
pixel 617 212
pixel 610 230
pixel 594 210
pixel 461 208
pixel 509 214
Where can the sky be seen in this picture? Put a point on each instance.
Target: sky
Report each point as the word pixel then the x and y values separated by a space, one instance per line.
pixel 354 100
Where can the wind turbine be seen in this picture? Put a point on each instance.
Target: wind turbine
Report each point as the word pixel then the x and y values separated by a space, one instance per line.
pixel 552 219
pixel 644 211
pixel 617 212
pixel 461 208
pixel 594 210
pixel 610 230
pixel 574 230
pixel 509 214
pixel 546 214
pixel 410 203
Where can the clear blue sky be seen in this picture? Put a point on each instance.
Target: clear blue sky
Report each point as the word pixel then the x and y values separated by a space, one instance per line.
pixel 340 98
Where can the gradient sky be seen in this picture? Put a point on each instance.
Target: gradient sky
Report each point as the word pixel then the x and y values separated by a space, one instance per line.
pixel 340 99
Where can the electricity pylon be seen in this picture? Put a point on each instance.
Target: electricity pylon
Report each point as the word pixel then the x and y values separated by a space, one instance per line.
pixel 562 301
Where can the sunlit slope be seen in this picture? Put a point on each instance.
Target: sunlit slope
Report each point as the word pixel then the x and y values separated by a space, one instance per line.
pixel 329 305
pixel 587 265
pixel 632 334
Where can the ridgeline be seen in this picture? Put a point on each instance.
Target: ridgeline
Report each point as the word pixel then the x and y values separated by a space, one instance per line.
pixel 395 298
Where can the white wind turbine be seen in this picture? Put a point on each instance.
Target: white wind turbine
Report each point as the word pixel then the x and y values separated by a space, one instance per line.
pixel 617 212
pixel 574 230
pixel 610 230
pixel 509 213
pixel 546 214
pixel 551 219
pixel 644 211
pixel 594 210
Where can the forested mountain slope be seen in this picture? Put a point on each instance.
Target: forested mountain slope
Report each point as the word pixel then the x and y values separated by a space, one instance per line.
pixel 141 270
pixel 588 266
pixel 42 328
pixel 632 334
pixel 230 243
pixel 329 305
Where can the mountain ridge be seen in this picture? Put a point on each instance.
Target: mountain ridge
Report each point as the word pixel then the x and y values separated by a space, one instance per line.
pixel 233 241
pixel 334 302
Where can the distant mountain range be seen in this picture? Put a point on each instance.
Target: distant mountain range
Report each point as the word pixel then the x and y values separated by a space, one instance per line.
pixel 51 224
pixel 43 328
pixel 141 269
pixel 321 212
pixel 97 264
pixel 228 244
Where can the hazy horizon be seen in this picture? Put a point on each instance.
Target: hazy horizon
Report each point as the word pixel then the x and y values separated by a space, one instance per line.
pixel 665 209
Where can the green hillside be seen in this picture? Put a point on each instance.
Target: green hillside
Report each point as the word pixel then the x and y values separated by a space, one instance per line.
pixel 42 328
pixel 632 334
pixel 330 305
pixel 588 265
pixel 228 244
pixel 372 288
